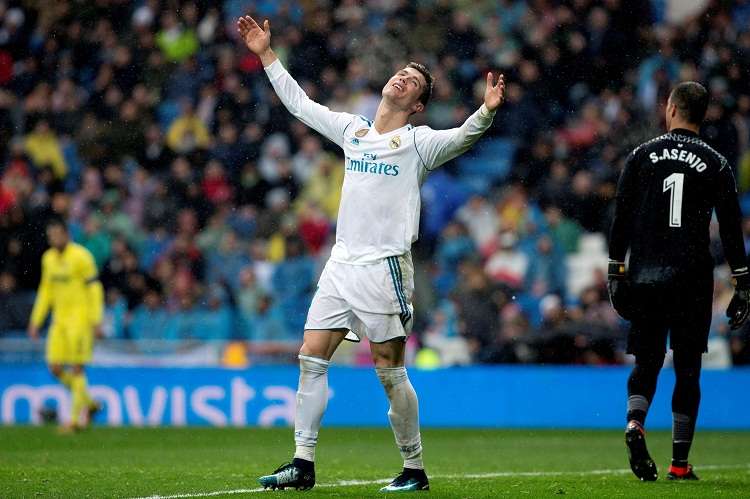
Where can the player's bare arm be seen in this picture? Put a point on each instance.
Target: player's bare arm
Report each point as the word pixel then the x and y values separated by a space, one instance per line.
pixel 33 331
pixel 257 39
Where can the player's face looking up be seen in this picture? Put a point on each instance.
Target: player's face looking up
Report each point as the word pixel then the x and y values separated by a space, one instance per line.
pixel 405 88
pixel 57 236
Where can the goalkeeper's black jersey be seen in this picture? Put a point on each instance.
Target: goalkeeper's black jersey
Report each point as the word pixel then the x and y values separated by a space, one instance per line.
pixel 665 198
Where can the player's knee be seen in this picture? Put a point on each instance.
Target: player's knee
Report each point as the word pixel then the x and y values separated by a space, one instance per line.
pixel 313 365
pixel 388 354
pixel 313 350
pixel 77 369
pixel 56 370
pixel 314 347
pixel 387 359
pixel 688 361
pixel 649 364
pixel 689 375
pixel 391 376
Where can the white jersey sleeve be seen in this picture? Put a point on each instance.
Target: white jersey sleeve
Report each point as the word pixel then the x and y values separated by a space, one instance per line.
pixel 328 123
pixel 436 147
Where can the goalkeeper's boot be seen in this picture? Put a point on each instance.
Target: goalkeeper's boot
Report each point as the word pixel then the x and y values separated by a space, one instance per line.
pixel 299 474
pixel 640 461
pixel 407 481
pixel 681 473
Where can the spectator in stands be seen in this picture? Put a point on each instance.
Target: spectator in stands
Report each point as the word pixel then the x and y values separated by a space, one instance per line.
pixel 293 282
pixel 151 321
pixel 507 264
pixel 476 306
pixel 15 307
pixel 546 270
pixel 453 247
pixel 176 42
pixel 565 232
pixel 96 240
pixel 44 149
pixel 268 323
pixel 226 262
pixel 187 133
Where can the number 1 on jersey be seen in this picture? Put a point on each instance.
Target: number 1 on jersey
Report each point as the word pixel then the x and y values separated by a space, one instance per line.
pixel 674 184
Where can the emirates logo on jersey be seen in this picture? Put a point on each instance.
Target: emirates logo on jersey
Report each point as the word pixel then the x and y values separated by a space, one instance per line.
pixel 373 167
pixel 395 142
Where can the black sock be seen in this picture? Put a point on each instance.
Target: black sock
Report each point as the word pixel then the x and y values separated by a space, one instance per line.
pixel 303 464
pixel 685 401
pixel 680 449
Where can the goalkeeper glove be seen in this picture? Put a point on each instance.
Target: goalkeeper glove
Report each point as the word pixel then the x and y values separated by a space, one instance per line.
pixel 739 307
pixel 619 289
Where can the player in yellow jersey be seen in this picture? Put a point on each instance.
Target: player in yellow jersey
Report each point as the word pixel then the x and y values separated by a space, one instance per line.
pixel 70 287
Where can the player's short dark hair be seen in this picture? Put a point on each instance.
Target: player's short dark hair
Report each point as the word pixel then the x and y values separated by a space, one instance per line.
pixel 691 99
pixel 427 91
pixel 57 222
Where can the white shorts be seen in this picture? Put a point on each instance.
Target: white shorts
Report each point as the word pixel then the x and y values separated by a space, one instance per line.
pixel 372 300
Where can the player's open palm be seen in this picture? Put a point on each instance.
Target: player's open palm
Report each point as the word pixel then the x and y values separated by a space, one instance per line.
pixel 494 93
pixel 257 39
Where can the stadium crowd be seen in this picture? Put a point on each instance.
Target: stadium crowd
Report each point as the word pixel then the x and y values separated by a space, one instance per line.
pixel 210 210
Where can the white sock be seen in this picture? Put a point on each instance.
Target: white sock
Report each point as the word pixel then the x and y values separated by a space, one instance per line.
pixel 403 414
pixel 312 399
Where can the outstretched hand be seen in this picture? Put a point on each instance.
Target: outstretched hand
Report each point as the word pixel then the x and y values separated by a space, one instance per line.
pixel 494 93
pixel 257 39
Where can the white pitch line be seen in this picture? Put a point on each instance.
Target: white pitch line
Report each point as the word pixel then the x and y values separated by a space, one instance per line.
pixel 498 474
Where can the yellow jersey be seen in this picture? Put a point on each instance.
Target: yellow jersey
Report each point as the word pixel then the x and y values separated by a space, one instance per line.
pixel 70 287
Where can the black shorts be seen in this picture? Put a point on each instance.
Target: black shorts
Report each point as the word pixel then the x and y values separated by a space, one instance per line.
pixel 680 311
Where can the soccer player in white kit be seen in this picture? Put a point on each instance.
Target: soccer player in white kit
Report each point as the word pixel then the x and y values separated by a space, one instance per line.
pixel 366 286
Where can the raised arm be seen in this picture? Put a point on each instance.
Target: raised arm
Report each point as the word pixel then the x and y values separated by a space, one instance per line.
pixel 318 117
pixel 441 146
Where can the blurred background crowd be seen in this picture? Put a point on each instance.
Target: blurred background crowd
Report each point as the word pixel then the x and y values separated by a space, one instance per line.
pixel 210 210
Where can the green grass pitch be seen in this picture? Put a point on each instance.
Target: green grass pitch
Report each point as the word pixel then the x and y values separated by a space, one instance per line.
pixel 188 462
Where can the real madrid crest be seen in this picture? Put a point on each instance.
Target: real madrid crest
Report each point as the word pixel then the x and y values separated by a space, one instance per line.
pixel 361 132
pixel 395 142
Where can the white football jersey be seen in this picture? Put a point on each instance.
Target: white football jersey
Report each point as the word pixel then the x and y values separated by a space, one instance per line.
pixel 380 199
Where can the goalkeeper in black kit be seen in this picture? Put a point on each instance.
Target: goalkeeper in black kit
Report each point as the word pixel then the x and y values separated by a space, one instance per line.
pixel 666 196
